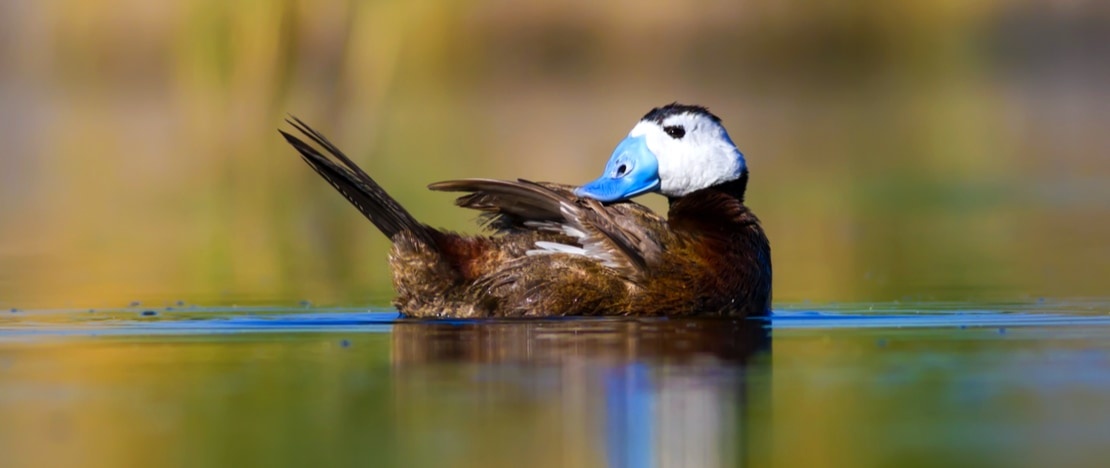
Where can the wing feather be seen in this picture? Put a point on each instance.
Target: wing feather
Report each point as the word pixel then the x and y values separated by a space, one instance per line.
pixel 604 232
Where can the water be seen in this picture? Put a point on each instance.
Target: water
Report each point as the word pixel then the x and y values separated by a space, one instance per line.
pixel 1020 384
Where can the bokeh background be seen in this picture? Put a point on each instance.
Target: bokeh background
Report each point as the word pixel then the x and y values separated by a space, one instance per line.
pixel 914 150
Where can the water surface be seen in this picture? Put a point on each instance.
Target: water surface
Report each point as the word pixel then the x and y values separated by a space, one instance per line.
pixel 1022 384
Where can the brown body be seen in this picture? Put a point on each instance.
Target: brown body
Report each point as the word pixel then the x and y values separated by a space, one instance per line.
pixel 709 257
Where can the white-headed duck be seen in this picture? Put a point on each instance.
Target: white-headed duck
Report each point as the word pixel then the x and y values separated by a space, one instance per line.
pixel 560 250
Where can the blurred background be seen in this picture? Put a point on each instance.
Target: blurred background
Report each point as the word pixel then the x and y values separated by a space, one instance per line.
pixel 915 150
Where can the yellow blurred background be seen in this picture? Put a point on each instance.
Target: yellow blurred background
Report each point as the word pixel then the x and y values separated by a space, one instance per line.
pixel 916 150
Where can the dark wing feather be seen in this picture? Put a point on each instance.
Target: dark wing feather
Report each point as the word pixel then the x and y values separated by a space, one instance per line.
pixel 520 200
pixel 636 223
pixel 600 229
pixel 355 185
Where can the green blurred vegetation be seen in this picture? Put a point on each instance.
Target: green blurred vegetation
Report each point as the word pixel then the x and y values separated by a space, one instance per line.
pixel 920 149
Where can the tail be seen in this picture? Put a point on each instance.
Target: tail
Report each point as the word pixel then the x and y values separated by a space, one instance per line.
pixel 357 187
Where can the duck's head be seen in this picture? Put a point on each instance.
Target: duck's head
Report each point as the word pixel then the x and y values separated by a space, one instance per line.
pixel 673 150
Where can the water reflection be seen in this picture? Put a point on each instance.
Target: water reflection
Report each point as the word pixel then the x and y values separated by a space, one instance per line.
pixel 578 393
pixel 563 341
pixel 850 385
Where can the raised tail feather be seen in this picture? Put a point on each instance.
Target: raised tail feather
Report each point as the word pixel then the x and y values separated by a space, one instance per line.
pixel 356 186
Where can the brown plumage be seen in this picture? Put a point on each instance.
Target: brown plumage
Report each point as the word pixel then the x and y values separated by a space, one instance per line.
pixel 709 257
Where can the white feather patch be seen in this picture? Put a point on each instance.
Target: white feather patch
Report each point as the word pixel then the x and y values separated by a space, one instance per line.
pixel 555 247
pixel 593 251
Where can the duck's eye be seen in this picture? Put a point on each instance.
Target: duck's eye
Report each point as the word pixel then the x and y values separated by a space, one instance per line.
pixel 622 169
pixel 675 131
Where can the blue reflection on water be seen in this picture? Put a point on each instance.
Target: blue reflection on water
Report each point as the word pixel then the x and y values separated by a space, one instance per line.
pixel 932 319
pixel 218 320
pixel 628 423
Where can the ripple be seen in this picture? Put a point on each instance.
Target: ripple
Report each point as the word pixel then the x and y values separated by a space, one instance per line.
pixel 234 319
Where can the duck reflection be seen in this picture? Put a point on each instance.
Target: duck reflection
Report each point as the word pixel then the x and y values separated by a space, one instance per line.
pixel 559 341
pixel 648 392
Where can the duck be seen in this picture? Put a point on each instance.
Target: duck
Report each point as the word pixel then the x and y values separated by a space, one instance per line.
pixel 553 249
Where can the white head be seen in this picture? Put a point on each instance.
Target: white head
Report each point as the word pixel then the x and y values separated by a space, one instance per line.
pixel 674 150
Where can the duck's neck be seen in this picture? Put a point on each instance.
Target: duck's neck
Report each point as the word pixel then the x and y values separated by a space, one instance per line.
pixel 733 188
